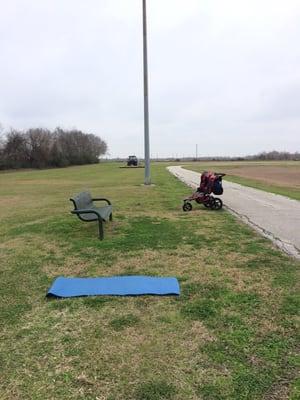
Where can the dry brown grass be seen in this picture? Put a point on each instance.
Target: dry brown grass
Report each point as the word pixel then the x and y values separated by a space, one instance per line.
pixel 275 175
pixel 112 348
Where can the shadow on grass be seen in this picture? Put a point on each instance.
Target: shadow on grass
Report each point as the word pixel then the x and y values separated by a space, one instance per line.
pixel 155 390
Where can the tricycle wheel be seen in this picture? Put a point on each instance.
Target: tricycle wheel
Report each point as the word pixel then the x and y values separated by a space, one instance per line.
pixel 210 203
pixel 218 204
pixel 187 207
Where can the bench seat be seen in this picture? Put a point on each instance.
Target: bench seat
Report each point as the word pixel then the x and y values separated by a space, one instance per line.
pixel 86 210
pixel 104 212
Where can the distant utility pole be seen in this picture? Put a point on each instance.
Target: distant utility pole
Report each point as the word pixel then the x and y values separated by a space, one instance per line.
pixel 146 105
pixel 196 152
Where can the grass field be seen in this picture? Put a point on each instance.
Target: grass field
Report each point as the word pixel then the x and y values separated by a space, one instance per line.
pixel 280 177
pixel 231 334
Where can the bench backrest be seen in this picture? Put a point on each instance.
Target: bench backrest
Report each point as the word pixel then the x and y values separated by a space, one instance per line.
pixel 82 200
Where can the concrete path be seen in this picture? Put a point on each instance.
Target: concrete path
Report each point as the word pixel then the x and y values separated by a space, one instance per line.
pixel 274 216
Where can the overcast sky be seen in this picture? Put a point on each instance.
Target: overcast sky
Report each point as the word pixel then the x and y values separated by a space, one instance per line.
pixel 222 74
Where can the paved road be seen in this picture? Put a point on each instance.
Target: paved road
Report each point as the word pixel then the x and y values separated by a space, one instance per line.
pixel 276 217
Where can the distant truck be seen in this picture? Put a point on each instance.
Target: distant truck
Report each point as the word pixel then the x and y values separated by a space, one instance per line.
pixel 132 161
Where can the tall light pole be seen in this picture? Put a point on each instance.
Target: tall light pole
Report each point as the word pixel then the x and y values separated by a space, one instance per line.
pixel 146 105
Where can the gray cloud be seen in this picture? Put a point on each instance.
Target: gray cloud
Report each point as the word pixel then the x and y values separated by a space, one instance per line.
pixel 224 75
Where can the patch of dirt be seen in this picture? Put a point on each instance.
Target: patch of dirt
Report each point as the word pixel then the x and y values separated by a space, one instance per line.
pixel 199 332
pixel 71 267
pixel 274 175
pixel 15 243
pixel 246 281
pixel 10 201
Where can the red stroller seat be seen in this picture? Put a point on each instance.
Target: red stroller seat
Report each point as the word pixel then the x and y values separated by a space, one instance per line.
pixel 206 182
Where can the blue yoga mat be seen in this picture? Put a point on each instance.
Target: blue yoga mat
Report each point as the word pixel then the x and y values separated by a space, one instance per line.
pixel 114 286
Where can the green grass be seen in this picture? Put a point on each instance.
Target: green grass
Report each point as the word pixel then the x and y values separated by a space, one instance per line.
pixel 232 333
pixel 118 324
pixel 291 191
pixel 155 391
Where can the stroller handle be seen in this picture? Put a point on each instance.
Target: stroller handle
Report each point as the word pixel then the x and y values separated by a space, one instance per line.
pixel 220 173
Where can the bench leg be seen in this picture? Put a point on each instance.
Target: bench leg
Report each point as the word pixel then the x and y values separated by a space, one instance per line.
pixel 101 233
pixel 110 217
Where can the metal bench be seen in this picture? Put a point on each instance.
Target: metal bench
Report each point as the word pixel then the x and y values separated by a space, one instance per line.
pixel 85 210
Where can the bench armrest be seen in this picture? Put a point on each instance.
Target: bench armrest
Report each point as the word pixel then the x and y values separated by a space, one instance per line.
pixel 100 198
pixel 78 212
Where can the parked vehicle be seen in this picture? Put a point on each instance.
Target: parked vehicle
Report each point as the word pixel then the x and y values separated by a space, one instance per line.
pixel 132 161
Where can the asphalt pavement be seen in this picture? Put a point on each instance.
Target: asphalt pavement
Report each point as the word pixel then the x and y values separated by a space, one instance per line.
pixel 274 216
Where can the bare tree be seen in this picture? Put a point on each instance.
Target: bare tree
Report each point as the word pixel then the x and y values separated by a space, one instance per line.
pixel 38 145
pixel 275 155
pixel 14 151
pixel 40 148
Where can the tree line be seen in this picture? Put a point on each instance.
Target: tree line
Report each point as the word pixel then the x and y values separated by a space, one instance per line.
pixel 275 155
pixel 43 148
pixel 262 156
